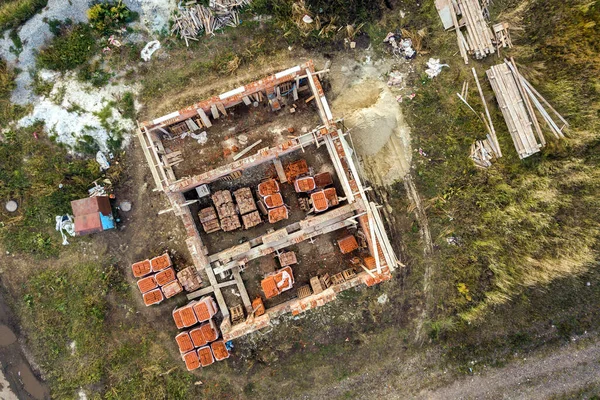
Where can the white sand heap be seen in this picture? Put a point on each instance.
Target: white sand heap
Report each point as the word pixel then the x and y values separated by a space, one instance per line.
pixel 75 115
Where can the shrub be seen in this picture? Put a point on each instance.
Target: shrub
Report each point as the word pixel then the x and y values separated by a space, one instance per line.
pixel 73 47
pixel 107 17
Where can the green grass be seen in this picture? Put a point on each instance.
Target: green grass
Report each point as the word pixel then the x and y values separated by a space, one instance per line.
pixel 70 305
pixel 519 223
pixel 74 46
pixel 15 12
pixel 31 170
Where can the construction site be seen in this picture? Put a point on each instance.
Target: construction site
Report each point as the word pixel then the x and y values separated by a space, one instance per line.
pixel 264 180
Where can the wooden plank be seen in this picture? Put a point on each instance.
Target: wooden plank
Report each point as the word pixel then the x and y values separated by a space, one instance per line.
pixel 459 38
pixel 487 113
pixel 221 108
pixel 160 168
pixel 242 289
pixel 280 170
pixel 517 75
pixel 149 160
pixel 246 150
pixel 513 116
pixel 507 117
pixel 214 111
pixel 204 118
pixel 545 102
pixel 246 100
pixel 519 105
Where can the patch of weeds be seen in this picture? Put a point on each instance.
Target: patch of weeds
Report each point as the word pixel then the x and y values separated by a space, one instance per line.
pixel 40 86
pixel 59 95
pixel 75 108
pixel 15 12
pixel 17 47
pixel 74 46
pixel 126 106
pixel 55 25
pixel 87 145
pixel 107 17
pixel 32 168
pixel 94 73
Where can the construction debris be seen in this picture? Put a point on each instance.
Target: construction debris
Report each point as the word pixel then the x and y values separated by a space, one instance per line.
pixel 502 35
pixel 517 99
pixel 483 151
pixel 195 18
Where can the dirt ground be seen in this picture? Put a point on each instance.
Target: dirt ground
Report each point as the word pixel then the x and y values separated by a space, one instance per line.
pixel 317 160
pixel 257 123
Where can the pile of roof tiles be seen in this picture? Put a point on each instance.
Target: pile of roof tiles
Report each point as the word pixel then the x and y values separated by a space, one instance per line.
pixel 158 280
pixel 199 346
pixel 272 199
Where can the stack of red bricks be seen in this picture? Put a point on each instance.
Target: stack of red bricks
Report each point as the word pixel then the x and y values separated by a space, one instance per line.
pixel 158 280
pixel 199 346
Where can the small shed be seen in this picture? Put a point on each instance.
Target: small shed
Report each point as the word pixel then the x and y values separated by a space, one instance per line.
pixel 92 215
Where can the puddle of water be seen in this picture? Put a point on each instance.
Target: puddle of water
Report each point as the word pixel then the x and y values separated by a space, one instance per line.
pixel 7 337
pixel 30 382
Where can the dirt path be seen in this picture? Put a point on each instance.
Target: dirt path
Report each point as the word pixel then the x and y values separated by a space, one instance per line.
pixel 570 371
pixel 565 372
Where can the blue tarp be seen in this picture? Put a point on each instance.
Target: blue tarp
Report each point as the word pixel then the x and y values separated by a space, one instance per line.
pixel 108 222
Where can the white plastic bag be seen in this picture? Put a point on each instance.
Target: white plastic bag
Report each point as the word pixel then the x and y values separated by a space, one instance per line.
pixel 434 67
pixel 149 49
pixel 64 223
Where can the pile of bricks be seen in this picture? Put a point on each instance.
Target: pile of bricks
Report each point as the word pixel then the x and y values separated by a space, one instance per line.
pixel 247 207
pixel 199 346
pixel 157 279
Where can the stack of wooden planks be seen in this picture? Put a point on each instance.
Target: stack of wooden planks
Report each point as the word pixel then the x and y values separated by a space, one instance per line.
pixel 194 18
pixel 519 101
pixel 478 39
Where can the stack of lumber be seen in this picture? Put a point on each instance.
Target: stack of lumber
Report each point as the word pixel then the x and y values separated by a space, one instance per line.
pixel 194 18
pixel 478 39
pixel 519 101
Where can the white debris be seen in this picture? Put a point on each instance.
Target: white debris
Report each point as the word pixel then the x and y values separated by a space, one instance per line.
pixel 125 206
pixel 65 225
pixel 11 206
pixel 307 19
pixel 149 49
pixel 101 159
pixel 201 137
pixel 382 299
pixel 434 67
